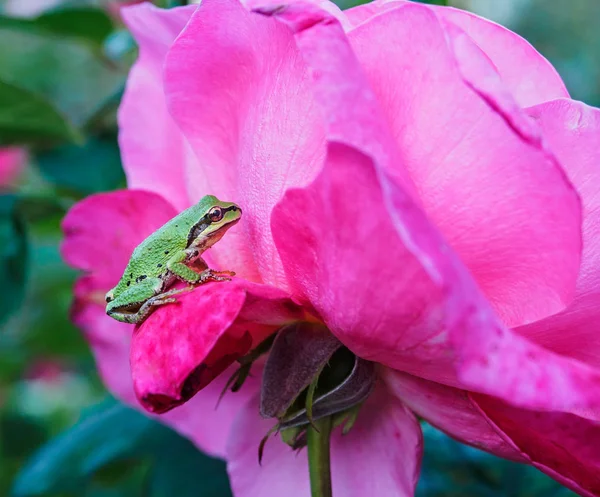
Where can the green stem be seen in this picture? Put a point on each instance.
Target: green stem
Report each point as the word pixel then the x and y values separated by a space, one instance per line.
pixel 319 457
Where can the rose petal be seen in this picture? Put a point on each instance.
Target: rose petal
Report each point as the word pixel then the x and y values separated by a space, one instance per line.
pixel 433 321
pixel 239 91
pixel 452 411
pixel 108 339
pixel 483 175
pixel 102 230
pixel 154 151
pixel 527 74
pixel 388 441
pixel 281 473
pixel 200 419
pixel 573 132
pixel 545 440
pixel 564 446
pixel 182 347
pixel 326 5
pixel 385 441
pixel 12 162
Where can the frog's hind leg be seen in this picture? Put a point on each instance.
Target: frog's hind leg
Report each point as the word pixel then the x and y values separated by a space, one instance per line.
pixel 134 305
pixel 160 299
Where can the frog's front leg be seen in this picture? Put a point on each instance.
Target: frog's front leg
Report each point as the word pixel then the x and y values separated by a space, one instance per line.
pixel 185 273
pixel 200 265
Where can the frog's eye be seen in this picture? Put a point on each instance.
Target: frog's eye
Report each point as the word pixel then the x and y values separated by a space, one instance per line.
pixel 215 214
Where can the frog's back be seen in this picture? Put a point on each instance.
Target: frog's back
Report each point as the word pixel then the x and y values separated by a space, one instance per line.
pixel 149 259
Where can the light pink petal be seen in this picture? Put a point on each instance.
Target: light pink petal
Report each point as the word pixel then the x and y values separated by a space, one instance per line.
pixel 481 171
pixel 573 132
pixel 155 153
pixel 356 246
pixel 382 453
pixel 239 90
pixel 529 77
pixel 361 13
pixel 12 162
pixel 182 347
pixel 564 446
pixel 380 456
pixel 282 471
pixel 326 5
pixel 450 410
pixel 100 234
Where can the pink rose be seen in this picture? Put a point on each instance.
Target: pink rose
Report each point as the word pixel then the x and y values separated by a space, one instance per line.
pixel 12 161
pixel 414 177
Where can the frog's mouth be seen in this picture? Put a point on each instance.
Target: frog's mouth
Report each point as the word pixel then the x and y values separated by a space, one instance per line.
pixel 233 208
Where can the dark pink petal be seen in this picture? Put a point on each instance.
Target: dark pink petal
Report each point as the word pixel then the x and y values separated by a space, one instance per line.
pixel 381 454
pixel 561 445
pixel 564 446
pixel 155 153
pixel 102 230
pixel 572 130
pixel 356 246
pixel 199 420
pixel 452 411
pixel 239 90
pixel 12 162
pixel 482 173
pixel 182 347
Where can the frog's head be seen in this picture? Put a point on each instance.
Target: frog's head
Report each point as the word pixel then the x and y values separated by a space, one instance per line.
pixel 216 218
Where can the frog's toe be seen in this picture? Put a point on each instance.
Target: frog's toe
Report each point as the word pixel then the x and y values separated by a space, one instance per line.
pixel 169 300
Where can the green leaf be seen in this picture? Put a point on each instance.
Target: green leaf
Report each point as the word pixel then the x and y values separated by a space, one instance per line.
pixel 111 438
pixel 105 433
pixel 92 167
pixel 67 71
pixel 184 471
pixel 34 208
pixel 85 22
pixel 434 2
pixel 19 435
pixel 451 469
pixel 167 4
pixel 13 253
pixel 26 117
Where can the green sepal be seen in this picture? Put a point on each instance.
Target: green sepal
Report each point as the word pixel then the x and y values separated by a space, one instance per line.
pixel 346 419
pixel 238 378
pixel 261 445
pixel 295 437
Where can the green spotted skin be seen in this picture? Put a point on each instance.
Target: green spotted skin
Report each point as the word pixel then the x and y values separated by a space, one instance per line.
pixel 171 252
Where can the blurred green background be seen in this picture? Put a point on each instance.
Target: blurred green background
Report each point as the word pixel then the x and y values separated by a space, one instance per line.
pixel 62 71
